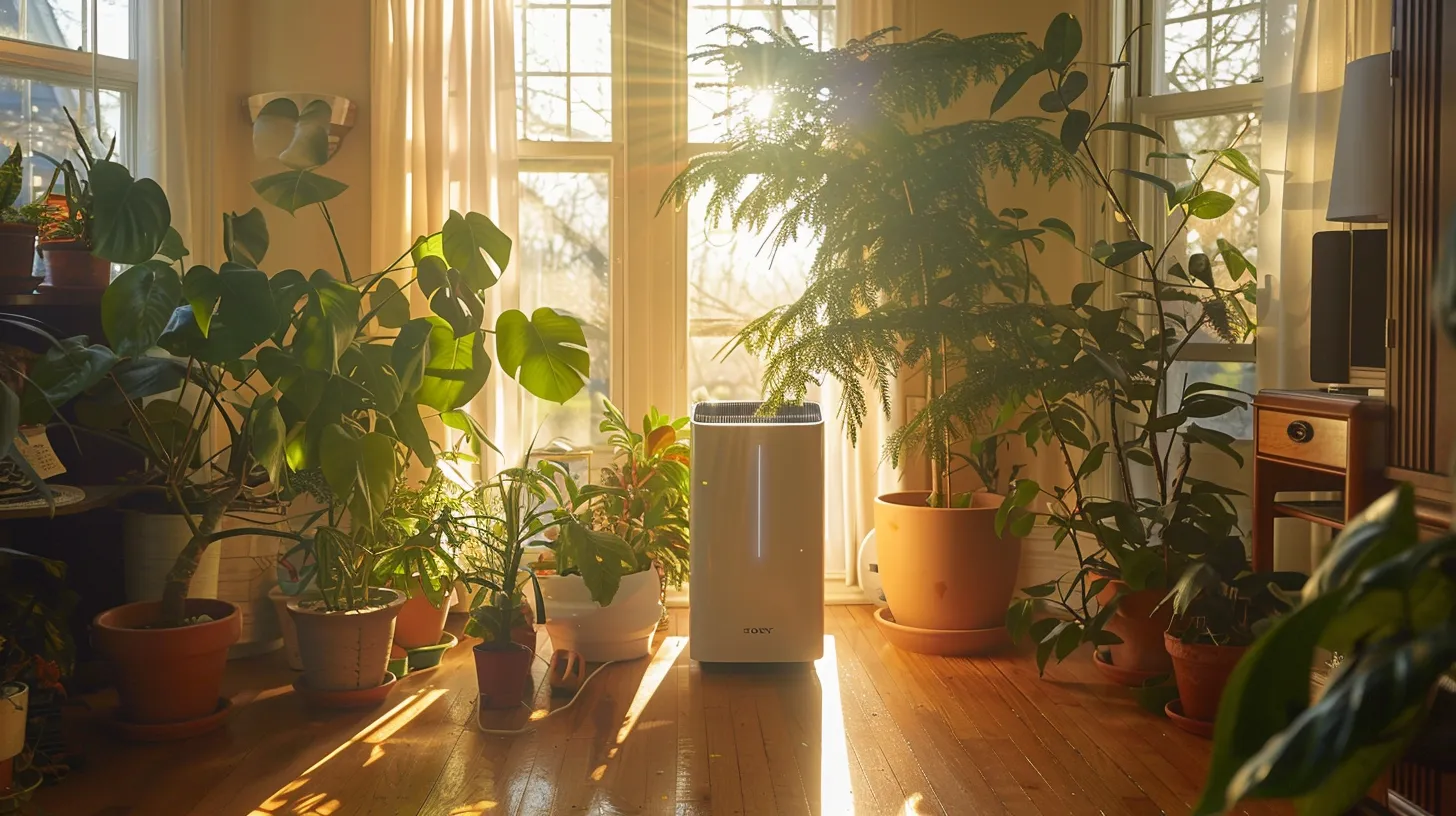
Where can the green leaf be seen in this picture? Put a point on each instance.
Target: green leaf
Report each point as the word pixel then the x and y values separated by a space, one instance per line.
pixel 328 322
pixel 473 430
pixel 457 367
pixel 10 183
pixel 245 237
pixel 298 139
pixel 293 190
pixel 1062 41
pixel 410 352
pixel 247 314
pixel 201 289
pixel 1109 364
pixel 1124 251
pixel 65 370
pixel 1017 78
pixel 1074 129
pixel 1234 259
pixel 1159 154
pixel 1021 494
pixel 269 436
pixel 1235 160
pixel 601 557
pixel 372 370
pixel 411 431
pixel 389 303
pixel 1082 293
pixel 545 353
pixel 1168 188
pixel 172 247
pixel 136 307
pixel 1380 532
pixel 431 274
pixel 1069 91
pixel 129 217
pixel 1133 128
pixel 1209 204
pixel 1201 269
pixel 1060 228
pixel 468 241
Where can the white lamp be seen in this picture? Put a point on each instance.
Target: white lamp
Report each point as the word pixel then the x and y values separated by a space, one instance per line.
pixel 1360 184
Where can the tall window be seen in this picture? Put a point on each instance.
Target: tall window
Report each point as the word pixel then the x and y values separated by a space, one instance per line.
pixel 606 116
pixel 46 67
pixel 1200 89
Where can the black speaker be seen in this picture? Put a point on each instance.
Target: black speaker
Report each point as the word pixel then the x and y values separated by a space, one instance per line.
pixel 1346 304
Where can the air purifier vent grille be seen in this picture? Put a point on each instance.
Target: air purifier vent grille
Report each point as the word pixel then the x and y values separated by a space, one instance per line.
pixel 730 412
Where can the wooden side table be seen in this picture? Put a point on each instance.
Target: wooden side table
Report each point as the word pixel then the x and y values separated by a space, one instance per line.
pixel 1313 441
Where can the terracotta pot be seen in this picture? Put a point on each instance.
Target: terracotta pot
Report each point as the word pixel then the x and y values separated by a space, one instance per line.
pixel 17 250
pixel 1201 672
pixel 420 623
pixel 70 265
pixel 344 651
pixel 168 675
pixel 280 600
pixel 1141 625
pixel 502 675
pixel 944 568
pixel 621 630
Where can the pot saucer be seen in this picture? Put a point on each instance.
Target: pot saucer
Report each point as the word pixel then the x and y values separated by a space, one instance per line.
pixel 428 657
pixel 940 641
pixel 166 732
pixel 1123 676
pixel 1174 710
pixel 349 698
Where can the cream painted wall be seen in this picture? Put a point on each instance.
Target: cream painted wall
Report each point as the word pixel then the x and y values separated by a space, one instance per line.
pixel 242 47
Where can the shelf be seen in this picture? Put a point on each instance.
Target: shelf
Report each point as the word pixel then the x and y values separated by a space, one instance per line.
pixel 1326 513
pixel 97 496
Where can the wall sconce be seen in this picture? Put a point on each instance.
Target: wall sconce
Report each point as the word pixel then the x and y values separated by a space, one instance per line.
pixel 340 122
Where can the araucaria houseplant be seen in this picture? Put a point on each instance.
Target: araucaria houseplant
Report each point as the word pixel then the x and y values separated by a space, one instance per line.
pixel 1127 502
pixel 318 383
pixel 605 604
pixel 850 153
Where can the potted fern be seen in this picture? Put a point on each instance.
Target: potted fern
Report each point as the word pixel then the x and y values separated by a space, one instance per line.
pixel 851 152
pixel 604 600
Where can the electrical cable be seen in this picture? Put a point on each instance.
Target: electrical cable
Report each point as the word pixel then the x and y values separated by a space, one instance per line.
pixel 531 726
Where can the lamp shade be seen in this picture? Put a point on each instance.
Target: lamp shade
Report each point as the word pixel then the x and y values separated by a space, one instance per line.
pixel 1360 184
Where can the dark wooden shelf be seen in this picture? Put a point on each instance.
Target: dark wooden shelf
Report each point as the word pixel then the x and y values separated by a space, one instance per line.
pixel 1327 513
pixel 96 496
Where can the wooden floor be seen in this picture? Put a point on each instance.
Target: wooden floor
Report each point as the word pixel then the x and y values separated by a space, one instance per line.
pixel 872 730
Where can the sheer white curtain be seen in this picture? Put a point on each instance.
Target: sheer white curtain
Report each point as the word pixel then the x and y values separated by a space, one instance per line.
pixel 853 474
pixel 161 151
pixel 1310 42
pixel 443 137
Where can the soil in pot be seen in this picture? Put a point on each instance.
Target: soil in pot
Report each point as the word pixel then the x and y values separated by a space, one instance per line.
pixel 1141 624
pixel 420 623
pixel 17 250
pixel 944 568
pixel 502 674
pixel 1201 672
pixel 345 650
pixel 168 675
pixel 70 265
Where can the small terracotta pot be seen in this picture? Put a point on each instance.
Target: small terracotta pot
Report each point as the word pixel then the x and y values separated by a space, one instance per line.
pixel 502 675
pixel 168 675
pixel 1201 671
pixel 1141 625
pixel 420 623
pixel 945 568
pixel 17 250
pixel 70 265
pixel 344 651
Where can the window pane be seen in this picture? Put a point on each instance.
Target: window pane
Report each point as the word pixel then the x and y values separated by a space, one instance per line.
pixel 67 24
pixel 564 70
pixel 1240 423
pixel 564 260
pixel 732 279
pixel 1208 43
pixel 32 113
pixel 810 20
pixel 1240 225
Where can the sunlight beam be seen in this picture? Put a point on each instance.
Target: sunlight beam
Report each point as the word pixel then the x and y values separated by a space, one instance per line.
pixel 661 664
pixel 836 794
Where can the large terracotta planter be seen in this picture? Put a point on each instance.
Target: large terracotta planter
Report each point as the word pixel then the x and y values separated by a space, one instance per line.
pixel 944 568
pixel 1141 624
pixel 502 674
pixel 70 265
pixel 17 250
pixel 167 675
pixel 1201 672
pixel 345 651
pixel 621 630
pixel 420 623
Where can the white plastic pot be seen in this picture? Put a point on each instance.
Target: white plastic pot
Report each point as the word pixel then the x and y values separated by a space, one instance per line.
pixel 621 630
pixel 14 705
pixel 151 543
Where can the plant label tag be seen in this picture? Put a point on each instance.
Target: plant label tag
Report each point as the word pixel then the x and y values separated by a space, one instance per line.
pixel 35 446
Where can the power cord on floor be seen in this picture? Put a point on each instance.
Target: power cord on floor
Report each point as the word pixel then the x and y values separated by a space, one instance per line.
pixel 531 726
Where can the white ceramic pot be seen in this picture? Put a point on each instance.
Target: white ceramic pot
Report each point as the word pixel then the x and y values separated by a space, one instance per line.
pixel 14 705
pixel 150 544
pixel 246 573
pixel 621 630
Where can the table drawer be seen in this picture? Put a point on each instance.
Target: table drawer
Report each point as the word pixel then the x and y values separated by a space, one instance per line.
pixel 1312 439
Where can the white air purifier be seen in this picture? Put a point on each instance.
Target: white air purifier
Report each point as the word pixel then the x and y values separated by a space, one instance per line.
pixel 757 519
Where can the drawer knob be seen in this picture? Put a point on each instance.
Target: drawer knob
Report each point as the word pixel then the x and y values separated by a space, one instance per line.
pixel 1301 431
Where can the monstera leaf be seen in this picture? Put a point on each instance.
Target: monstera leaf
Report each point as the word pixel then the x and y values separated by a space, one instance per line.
pixel 293 190
pixel 546 353
pixel 245 237
pixel 136 306
pixel 471 243
pixel 455 368
pixel 130 217
pixel 299 139
pixel 65 370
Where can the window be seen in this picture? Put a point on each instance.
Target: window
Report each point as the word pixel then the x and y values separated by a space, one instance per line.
pixel 606 117
pixel 1200 90
pixel 46 62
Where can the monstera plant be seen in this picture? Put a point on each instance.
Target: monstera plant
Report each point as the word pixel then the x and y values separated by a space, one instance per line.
pixel 246 384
